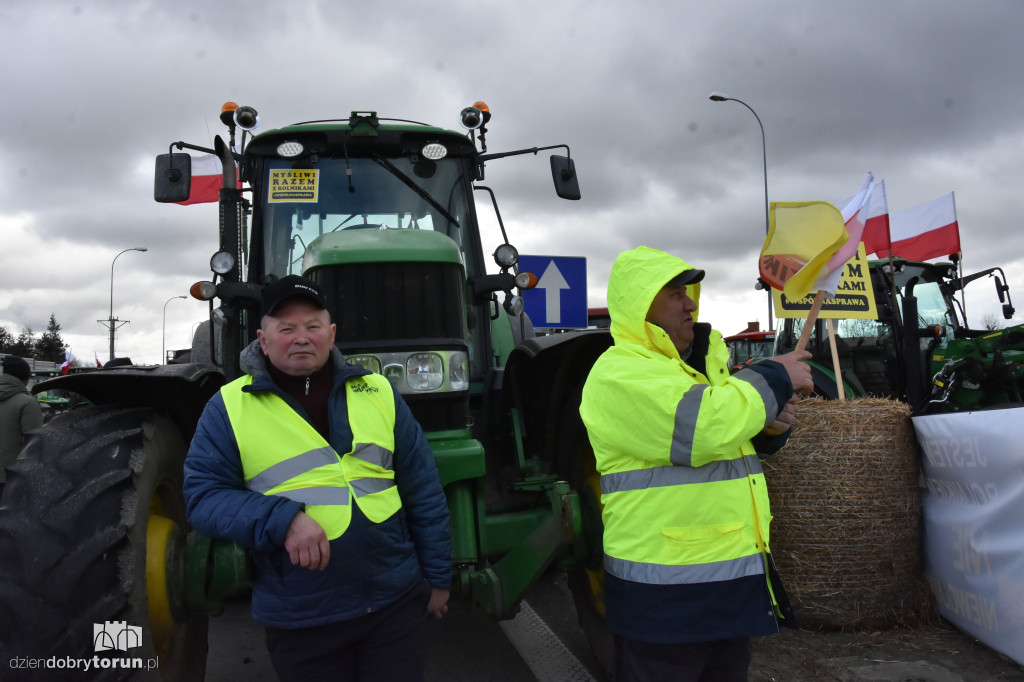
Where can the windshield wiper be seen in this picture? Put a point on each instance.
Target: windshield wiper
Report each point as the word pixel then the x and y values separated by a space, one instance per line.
pixel 423 194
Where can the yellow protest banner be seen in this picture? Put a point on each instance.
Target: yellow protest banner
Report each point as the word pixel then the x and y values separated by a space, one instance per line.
pixel 854 299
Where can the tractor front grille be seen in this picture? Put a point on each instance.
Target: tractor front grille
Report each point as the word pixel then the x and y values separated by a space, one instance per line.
pixel 401 306
pixel 379 305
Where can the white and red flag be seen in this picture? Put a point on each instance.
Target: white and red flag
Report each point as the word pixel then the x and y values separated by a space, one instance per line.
pixel 866 216
pixel 875 220
pixel 96 355
pixel 68 359
pixel 927 231
pixel 207 180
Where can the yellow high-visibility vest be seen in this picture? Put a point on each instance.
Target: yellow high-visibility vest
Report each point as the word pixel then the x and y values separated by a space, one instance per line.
pixel 683 493
pixel 282 454
pixel 667 521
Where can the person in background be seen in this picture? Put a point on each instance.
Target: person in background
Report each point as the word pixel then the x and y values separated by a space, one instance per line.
pixel 19 411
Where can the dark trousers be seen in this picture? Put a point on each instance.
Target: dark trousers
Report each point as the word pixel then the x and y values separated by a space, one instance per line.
pixel 725 660
pixel 389 644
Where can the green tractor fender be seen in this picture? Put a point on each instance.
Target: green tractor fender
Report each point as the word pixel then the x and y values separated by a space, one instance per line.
pixel 544 380
pixel 179 391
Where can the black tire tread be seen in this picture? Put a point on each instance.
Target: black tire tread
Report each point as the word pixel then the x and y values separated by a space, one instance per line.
pixel 74 552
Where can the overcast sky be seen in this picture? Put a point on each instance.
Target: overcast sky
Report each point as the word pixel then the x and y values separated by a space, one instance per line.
pixel 926 95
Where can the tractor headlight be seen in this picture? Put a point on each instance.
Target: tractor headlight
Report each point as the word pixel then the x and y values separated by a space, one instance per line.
pixel 394 373
pixel 506 255
pixel 437 371
pixel 222 262
pixel 290 149
pixel 366 362
pixel 435 151
pixel 425 371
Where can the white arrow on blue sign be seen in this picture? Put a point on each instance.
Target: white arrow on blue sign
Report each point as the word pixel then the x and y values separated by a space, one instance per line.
pixel 560 297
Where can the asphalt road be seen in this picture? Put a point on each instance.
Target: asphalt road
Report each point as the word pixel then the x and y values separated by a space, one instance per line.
pixel 463 646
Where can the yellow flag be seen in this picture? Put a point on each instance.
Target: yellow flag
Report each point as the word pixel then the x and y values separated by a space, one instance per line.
pixel 802 237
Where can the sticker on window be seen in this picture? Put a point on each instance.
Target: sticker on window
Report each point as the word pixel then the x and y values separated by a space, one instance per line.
pixel 291 184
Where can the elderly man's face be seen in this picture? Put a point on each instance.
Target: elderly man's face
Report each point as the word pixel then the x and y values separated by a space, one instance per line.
pixel 297 338
pixel 672 310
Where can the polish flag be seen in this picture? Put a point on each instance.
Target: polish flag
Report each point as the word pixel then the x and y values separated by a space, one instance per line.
pixel 207 180
pixel 96 355
pixel 926 231
pixel 68 359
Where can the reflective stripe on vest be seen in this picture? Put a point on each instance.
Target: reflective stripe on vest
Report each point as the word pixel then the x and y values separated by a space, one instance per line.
pixel 771 405
pixel 282 454
pixel 688 410
pixel 641 479
pixel 662 574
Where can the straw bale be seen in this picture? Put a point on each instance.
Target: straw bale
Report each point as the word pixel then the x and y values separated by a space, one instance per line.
pixel 846 529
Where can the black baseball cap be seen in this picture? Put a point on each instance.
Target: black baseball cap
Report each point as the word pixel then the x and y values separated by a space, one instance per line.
pixel 17 367
pixel 291 286
pixel 686 277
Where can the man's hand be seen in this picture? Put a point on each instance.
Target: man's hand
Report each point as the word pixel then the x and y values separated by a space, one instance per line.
pixel 307 543
pixel 438 604
pixel 799 372
pixel 783 422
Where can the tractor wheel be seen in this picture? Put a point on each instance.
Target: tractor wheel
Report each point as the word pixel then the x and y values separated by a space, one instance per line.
pixel 91 507
pixel 586 583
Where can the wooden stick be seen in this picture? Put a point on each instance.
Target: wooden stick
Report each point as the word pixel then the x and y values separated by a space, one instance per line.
pixel 812 317
pixel 835 358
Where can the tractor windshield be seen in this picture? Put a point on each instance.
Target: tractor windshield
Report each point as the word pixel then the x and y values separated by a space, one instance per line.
pixel 304 200
pixel 933 309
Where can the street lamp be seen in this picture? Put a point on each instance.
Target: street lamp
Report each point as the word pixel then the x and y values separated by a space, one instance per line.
pixel 722 97
pixel 110 322
pixel 163 335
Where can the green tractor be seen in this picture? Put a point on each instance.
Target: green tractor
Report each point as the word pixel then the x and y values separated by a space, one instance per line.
pixel 920 348
pixel 381 214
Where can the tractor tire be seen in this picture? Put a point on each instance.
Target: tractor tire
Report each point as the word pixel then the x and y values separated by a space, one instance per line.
pixel 77 514
pixel 586 583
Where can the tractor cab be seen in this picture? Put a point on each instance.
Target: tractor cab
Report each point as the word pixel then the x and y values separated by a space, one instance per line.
pixel 909 351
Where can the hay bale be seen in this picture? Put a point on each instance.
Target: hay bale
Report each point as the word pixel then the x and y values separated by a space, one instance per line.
pixel 846 533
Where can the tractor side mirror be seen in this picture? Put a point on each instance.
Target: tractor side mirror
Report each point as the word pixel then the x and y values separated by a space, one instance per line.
pixel 1001 290
pixel 173 180
pixel 563 172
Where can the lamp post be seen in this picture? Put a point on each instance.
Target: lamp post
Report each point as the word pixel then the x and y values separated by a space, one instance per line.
pixel 163 334
pixel 722 97
pixel 110 322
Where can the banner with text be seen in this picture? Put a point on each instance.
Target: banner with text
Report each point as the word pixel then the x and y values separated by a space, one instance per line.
pixel 854 299
pixel 973 502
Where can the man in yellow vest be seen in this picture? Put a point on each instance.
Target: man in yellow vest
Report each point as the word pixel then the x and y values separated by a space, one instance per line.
pixel 319 468
pixel 685 508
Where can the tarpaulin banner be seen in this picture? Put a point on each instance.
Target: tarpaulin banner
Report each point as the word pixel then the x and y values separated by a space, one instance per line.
pixel 973 506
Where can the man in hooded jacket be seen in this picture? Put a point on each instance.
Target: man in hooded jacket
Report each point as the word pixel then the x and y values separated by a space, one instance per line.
pixel 685 506
pixel 19 411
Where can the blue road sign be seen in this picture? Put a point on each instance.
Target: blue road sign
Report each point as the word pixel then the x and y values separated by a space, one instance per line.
pixel 560 297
